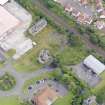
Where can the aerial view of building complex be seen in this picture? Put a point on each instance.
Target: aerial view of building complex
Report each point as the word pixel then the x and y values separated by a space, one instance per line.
pixel 52 52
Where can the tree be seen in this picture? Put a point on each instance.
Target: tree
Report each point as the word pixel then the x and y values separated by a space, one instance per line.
pixel 55 63
pixel 94 39
pixel 74 40
pixel 102 42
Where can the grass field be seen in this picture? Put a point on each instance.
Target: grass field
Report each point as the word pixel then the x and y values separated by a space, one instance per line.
pixel 66 100
pixel 99 90
pixel 72 55
pixel 49 39
pixel 101 84
pixel 13 100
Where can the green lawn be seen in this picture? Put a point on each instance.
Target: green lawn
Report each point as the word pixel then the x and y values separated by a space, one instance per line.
pixel 99 90
pixel 10 53
pixel 72 55
pixel 101 84
pixel 13 100
pixel 66 100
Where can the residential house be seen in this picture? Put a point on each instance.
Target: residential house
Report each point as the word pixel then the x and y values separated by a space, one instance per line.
pixel 46 96
pixel 100 24
pixel 75 13
pixel 88 20
pixel 84 19
pixel 84 2
pixel 68 8
pixel 99 6
pixel 102 14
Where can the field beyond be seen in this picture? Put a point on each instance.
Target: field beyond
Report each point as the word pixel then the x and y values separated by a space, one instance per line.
pixel 13 100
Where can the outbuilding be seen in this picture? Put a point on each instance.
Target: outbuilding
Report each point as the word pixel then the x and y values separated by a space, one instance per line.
pixel 95 65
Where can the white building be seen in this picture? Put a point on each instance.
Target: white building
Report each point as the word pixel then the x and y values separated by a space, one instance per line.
pixel 23 48
pixel 7 23
pixel 2 2
pixel 95 65
pixel 12 28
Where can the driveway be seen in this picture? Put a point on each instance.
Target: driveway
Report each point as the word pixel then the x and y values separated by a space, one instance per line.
pixel 86 75
pixel 20 78
pixel 62 90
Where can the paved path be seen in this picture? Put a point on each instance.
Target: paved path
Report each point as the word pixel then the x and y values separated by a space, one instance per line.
pixel 64 24
pixel 20 78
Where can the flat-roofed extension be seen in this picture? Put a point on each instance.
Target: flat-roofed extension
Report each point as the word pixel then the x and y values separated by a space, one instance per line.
pixel 94 64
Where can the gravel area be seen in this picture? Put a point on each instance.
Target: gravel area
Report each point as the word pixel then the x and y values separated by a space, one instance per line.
pixel 86 75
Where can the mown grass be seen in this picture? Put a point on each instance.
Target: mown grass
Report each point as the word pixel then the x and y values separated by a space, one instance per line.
pixel 13 100
pixel 66 100
pixel 99 90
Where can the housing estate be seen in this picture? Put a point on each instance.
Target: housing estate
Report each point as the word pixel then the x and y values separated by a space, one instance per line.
pixel 81 15
pixel 84 12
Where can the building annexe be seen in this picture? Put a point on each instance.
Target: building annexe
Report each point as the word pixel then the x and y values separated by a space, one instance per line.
pixel 95 65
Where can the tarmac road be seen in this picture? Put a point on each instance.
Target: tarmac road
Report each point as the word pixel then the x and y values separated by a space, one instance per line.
pixel 21 78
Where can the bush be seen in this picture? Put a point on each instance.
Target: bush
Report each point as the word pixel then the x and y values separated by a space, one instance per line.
pixel 94 39
pixel 74 40
pixel 102 42
pixel 7 82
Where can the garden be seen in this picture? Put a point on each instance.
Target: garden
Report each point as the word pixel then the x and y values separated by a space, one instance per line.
pixel 7 82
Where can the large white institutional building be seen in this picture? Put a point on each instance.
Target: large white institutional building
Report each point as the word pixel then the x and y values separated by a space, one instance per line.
pixel 14 21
